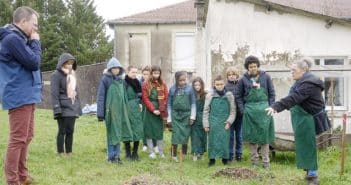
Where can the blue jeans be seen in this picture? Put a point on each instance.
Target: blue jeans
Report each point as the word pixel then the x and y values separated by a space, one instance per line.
pixel 235 130
pixel 113 151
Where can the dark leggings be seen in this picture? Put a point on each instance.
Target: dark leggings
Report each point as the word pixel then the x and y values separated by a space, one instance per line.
pixel 65 134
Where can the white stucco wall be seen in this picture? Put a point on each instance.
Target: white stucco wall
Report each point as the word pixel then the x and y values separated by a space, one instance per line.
pixel 231 24
pixel 166 40
pixel 122 31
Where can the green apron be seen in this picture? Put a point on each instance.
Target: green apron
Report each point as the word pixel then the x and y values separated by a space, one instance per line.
pixel 258 127
pixel 118 127
pixel 198 134
pixel 135 116
pixel 305 138
pixel 180 118
pixel 218 139
pixel 153 124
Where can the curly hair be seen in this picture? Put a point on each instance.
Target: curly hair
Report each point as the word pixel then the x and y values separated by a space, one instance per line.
pixel 251 60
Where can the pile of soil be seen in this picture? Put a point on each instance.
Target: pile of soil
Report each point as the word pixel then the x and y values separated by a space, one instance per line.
pixel 236 173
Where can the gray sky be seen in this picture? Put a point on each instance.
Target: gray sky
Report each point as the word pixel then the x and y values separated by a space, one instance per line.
pixel 113 9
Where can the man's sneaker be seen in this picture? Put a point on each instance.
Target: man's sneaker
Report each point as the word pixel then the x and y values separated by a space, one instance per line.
pixel 175 159
pixel 152 156
pixel 156 150
pixel 144 149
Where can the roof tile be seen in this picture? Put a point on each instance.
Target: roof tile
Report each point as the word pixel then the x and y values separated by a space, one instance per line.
pixel 184 12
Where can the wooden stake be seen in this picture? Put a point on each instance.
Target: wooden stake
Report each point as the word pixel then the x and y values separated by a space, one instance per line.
pixel 343 142
pixel 181 154
pixel 332 104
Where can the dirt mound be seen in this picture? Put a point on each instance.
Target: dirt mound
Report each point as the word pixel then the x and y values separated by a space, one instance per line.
pixel 147 180
pixel 235 173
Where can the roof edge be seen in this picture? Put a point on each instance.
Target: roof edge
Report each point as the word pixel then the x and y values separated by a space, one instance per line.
pixel 288 9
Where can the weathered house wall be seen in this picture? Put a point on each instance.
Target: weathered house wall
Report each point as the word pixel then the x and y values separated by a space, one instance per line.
pixel 157 41
pixel 235 29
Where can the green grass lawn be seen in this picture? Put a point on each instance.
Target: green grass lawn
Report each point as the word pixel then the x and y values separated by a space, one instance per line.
pixel 88 164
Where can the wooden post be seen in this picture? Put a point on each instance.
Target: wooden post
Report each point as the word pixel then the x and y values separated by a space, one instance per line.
pixel 332 104
pixel 181 154
pixel 343 142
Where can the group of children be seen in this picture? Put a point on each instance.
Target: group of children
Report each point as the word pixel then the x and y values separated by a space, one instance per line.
pixel 136 110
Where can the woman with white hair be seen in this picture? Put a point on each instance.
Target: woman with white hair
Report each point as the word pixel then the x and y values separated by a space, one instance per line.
pixel 308 115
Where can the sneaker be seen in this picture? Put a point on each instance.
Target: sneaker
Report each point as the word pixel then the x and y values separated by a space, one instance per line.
pixel 144 149
pixel 156 150
pixel 312 180
pixel 69 154
pixel 61 154
pixel 152 156
pixel 162 156
pixel 194 157
pixel 175 159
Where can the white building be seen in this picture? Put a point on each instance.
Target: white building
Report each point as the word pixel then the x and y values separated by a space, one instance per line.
pixel 277 31
pixel 164 36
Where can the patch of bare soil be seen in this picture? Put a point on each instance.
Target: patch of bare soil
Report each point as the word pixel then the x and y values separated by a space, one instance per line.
pixel 236 173
pixel 147 180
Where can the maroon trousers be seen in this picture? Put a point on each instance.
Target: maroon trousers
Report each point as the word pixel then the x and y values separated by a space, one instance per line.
pixel 21 133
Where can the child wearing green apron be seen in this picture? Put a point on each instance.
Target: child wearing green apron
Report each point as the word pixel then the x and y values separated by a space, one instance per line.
pixel 181 111
pixel 254 93
pixel 219 113
pixel 133 90
pixel 145 75
pixel 112 107
pixel 154 96
pixel 198 135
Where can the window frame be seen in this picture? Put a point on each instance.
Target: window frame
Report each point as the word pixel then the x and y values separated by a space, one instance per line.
pixel 176 66
pixel 321 68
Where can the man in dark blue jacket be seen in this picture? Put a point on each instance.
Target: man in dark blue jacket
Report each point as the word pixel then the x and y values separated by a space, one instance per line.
pixel 20 88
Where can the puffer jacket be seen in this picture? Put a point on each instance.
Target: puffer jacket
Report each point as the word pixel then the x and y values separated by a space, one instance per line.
pixel 20 77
